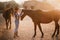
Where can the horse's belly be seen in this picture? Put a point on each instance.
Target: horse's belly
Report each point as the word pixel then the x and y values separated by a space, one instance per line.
pixel 45 19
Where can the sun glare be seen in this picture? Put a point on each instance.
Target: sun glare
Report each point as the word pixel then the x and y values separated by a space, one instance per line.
pixel 55 3
pixel 17 1
pixel 4 0
pixel 20 1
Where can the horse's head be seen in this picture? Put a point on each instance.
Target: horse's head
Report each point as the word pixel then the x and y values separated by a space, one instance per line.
pixel 23 14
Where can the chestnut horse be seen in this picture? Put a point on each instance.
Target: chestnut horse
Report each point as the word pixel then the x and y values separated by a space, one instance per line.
pixel 7 17
pixel 38 16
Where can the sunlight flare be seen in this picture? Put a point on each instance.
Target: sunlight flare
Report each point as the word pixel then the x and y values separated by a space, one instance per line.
pixel 20 1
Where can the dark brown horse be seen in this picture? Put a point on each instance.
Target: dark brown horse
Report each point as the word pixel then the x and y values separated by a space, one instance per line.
pixel 7 17
pixel 38 16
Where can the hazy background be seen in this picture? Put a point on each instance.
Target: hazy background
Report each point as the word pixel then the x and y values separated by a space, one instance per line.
pixel 54 3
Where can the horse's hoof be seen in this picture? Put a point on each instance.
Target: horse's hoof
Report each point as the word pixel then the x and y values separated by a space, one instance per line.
pixel 52 36
pixel 41 36
pixel 33 37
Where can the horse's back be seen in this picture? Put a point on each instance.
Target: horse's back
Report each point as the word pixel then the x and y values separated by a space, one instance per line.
pixel 46 17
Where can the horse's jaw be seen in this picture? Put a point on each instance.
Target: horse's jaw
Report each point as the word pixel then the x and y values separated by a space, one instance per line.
pixel 21 19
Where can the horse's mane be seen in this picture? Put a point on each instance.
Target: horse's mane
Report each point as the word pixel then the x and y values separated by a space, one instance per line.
pixel 38 11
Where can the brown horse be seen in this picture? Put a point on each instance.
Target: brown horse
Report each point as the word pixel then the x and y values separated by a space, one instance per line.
pixel 38 16
pixel 7 17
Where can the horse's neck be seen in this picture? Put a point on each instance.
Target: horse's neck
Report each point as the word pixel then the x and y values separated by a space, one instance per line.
pixel 30 14
pixel 34 13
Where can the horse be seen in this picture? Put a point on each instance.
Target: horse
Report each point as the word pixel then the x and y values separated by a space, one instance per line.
pixel 38 17
pixel 7 16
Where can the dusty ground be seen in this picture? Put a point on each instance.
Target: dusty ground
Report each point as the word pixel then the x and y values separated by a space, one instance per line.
pixel 26 30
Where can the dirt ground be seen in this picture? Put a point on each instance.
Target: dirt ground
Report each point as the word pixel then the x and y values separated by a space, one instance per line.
pixel 26 30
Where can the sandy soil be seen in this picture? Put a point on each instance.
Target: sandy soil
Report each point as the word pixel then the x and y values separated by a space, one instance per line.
pixel 26 31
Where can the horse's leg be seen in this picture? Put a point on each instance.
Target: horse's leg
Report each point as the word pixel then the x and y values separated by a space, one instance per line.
pixel 56 26
pixel 34 30
pixel 6 24
pixel 40 30
pixel 57 30
pixel 10 23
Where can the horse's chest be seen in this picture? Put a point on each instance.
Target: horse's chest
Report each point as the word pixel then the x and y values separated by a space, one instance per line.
pixel 6 15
